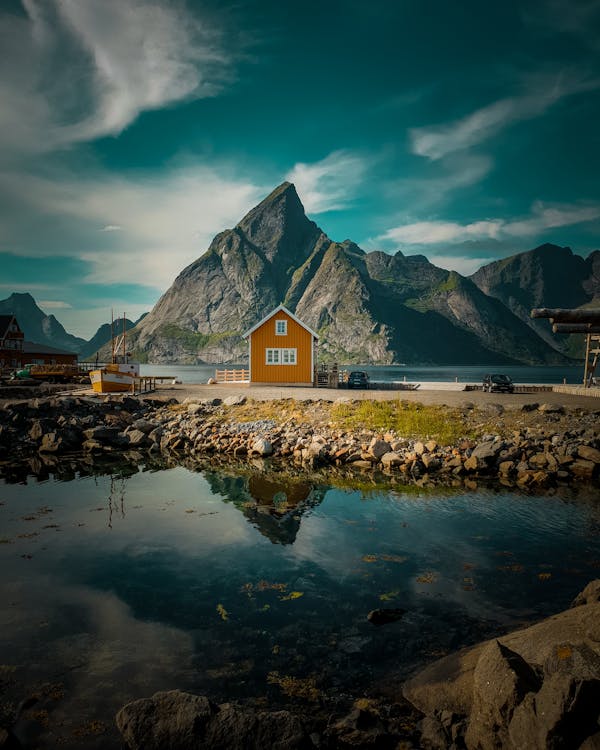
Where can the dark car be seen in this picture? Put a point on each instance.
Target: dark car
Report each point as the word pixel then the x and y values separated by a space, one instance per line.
pixel 495 383
pixel 358 379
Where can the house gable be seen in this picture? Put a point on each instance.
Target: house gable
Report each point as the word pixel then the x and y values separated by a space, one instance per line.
pixel 281 349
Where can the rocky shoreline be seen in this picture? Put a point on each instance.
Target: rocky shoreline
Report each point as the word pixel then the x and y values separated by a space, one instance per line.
pixel 535 688
pixel 539 446
pixel 535 448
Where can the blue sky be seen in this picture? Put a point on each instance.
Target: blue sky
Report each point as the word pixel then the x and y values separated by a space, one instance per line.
pixel 132 131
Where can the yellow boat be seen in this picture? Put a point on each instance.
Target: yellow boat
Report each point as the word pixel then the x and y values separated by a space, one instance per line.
pixel 119 375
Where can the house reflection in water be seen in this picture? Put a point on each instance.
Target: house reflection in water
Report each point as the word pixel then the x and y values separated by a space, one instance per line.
pixel 273 503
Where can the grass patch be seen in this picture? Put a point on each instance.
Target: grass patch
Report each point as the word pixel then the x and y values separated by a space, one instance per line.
pixel 192 339
pixel 413 420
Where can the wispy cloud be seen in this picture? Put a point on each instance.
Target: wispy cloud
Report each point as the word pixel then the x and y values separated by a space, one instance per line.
pixel 450 175
pixel 579 19
pixel 54 304
pixel 74 71
pixel 542 218
pixel 112 228
pixel 437 141
pixel 166 221
pixel 329 184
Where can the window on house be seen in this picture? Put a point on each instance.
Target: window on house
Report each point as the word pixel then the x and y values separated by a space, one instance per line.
pixel 281 327
pixel 280 356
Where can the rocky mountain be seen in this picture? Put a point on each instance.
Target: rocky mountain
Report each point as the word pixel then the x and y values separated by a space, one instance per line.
pixel 45 329
pixel 103 336
pixel 548 276
pixel 37 326
pixel 366 307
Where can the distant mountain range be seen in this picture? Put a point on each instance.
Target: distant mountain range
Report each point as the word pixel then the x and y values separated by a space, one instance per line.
pixel 367 307
pixel 45 329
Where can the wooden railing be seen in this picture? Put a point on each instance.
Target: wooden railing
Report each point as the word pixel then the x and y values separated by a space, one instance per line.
pixel 232 376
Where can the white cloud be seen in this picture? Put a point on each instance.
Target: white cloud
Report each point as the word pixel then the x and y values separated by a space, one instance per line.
pixel 329 184
pixel 463 265
pixel 111 228
pixel 437 141
pixel 53 304
pixel 167 221
pixel 74 71
pixel 434 232
pixel 541 219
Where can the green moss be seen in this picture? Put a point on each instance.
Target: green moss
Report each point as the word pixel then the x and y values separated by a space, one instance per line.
pixel 415 420
pixel 192 339
pixel 451 284
pixel 137 355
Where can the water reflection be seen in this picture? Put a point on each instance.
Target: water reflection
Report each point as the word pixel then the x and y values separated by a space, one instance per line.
pixel 122 579
pixel 274 504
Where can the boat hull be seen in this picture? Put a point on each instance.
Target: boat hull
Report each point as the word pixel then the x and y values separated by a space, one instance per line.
pixel 111 382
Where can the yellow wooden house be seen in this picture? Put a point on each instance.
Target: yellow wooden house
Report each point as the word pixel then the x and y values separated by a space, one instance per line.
pixel 282 350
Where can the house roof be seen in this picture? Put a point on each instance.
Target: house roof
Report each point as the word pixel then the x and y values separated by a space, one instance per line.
pixel 5 321
pixel 280 308
pixel 30 347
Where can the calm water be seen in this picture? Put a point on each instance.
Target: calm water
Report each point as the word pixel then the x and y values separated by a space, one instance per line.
pixel 115 586
pixel 473 374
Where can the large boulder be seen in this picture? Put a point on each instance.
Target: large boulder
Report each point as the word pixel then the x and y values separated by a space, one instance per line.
pixel 175 720
pixel 535 688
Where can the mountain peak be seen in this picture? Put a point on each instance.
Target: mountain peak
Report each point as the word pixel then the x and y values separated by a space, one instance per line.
pixel 279 225
pixel 282 201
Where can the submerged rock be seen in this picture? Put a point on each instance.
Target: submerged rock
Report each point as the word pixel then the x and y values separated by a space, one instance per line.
pixel 385 616
pixel 175 720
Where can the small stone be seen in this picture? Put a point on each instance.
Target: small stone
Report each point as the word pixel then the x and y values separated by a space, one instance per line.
pixel 262 447
pixel 378 448
pixel 391 459
pixel 588 453
pixel 238 400
pixel 385 616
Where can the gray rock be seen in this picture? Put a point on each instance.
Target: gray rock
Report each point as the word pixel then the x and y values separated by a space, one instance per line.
pixel 487 450
pixel 262 446
pixel 137 438
pixel 536 688
pixel 588 453
pixel 238 400
pixel 551 408
pixel 179 721
pixel 589 595
pixel 501 680
pixel 378 448
pixel 385 615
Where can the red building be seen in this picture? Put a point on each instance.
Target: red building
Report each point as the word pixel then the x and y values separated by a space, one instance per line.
pixel 15 352
pixel 11 343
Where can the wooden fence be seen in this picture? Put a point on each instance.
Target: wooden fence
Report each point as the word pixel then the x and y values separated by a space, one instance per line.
pixel 232 376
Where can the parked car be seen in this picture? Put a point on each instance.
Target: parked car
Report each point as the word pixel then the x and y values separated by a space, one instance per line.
pixel 358 379
pixel 497 382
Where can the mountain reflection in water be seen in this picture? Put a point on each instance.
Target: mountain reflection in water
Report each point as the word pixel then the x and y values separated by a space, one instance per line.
pixel 121 579
pixel 273 504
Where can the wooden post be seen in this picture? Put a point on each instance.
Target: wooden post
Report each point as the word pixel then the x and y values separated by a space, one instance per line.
pixel 588 340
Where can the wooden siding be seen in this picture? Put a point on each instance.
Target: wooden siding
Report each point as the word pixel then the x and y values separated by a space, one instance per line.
pixel 297 338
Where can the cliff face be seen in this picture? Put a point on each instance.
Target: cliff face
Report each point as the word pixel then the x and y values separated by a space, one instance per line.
pixel 366 307
pixel 37 326
pixel 548 276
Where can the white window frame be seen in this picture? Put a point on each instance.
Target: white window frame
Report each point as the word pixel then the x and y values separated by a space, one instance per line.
pixel 275 356
pixel 283 324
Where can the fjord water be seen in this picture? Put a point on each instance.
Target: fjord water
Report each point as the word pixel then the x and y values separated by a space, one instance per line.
pixel 118 584
pixel 572 374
